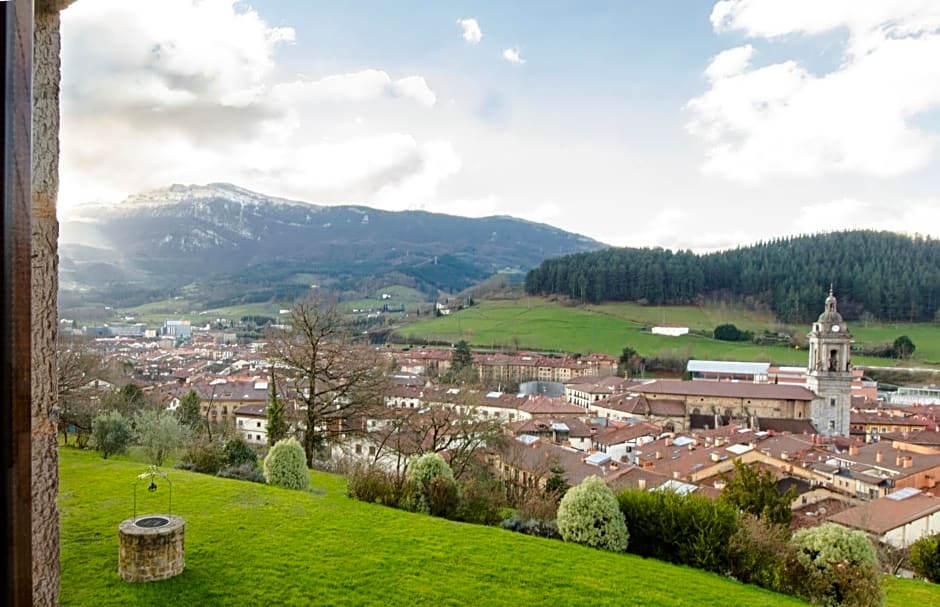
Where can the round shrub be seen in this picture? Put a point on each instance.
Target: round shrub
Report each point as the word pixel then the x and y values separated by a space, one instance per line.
pixel 830 545
pixel 925 558
pixel 589 514
pixel 286 465
pixel 837 566
pixel 433 490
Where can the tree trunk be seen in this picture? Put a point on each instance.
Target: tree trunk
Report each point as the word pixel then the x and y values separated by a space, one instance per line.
pixel 44 303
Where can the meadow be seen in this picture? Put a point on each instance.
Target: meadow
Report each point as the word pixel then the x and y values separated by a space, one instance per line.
pixel 541 324
pixel 252 544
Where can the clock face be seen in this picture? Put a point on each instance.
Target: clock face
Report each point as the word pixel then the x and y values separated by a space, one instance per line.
pixel 835 328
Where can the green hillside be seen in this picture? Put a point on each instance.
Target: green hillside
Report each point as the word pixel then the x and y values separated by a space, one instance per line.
pixel 541 324
pixel 250 544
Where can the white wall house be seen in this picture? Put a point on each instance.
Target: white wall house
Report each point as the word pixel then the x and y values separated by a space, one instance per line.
pixel 251 422
pixel 898 519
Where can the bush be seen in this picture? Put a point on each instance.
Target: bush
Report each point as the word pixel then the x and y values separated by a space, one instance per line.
pixel 237 452
pixel 443 497
pixel 531 526
pixel 837 566
pixel 373 485
pixel 588 514
pixel 422 473
pixel 729 332
pixel 925 558
pixel 760 552
pixel 203 455
pixel 481 501
pixel 685 529
pixel 246 471
pixel 112 433
pixel 286 465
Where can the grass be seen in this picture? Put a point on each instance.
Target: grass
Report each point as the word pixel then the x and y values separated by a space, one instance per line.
pixel 250 544
pixel 540 324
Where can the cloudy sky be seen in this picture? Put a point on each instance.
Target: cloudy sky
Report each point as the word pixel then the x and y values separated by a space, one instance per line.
pixel 686 124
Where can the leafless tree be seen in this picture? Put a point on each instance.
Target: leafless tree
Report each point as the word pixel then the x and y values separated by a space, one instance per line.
pixel 80 371
pixel 459 432
pixel 332 380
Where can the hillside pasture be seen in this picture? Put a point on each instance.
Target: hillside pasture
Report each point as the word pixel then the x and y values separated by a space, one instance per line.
pixel 540 324
pixel 251 544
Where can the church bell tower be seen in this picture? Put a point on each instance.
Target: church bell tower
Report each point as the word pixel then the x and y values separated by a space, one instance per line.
pixel 829 374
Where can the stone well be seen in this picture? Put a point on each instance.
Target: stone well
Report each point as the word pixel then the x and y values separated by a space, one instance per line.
pixel 152 548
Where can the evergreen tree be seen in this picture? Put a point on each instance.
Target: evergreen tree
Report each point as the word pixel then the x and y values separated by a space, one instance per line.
pixel 277 425
pixel 190 412
pixel 755 492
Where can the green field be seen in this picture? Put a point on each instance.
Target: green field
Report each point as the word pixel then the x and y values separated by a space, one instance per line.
pixel 540 324
pixel 251 544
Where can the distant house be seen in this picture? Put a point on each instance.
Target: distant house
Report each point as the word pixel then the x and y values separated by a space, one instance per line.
pixel 898 519
pixel 251 422
pixel 670 330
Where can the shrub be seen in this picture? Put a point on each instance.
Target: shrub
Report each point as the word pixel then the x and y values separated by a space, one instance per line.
pixel 237 452
pixel 481 501
pixel 203 455
pixel 112 433
pixel 837 566
pixel 160 433
pixel 373 485
pixel 759 553
pixel 286 465
pixel 729 332
pixel 925 558
pixel 246 471
pixel 685 529
pixel 422 471
pixel 531 526
pixel 443 497
pixel 588 514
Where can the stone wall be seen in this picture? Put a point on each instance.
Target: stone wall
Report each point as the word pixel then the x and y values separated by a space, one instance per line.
pixel 151 554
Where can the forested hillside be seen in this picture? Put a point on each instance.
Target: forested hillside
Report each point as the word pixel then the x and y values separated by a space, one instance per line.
pixel 888 276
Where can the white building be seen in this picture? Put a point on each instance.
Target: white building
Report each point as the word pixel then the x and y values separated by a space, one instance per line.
pixel 898 519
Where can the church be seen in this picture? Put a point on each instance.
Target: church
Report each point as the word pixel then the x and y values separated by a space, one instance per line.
pixel 821 406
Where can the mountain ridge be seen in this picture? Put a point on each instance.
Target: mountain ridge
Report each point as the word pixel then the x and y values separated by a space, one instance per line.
pixel 236 244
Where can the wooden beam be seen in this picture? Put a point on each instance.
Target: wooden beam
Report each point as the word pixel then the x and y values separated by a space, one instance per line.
pixel 16 52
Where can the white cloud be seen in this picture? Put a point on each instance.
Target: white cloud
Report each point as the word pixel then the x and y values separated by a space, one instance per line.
pixel 784 120
pixel 730 62
pixel 471 30
pixel 512 56
pixel 416 88
pixel 355 87
pixel 910 217
pixel 184 91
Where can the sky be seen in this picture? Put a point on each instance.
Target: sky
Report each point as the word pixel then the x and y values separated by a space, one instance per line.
pixel 686 124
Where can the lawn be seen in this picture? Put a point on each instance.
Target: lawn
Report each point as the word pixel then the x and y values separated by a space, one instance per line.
pixel 540 324
pixel 250 544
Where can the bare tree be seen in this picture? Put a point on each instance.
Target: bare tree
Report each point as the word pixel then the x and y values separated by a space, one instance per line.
pixel 457 431
pixel 81 373
pixel 333 381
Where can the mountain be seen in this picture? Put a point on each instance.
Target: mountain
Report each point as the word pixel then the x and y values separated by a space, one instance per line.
pixel 231 245
pixel 875 275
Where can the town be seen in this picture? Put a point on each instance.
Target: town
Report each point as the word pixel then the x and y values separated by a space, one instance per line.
pixel 853 455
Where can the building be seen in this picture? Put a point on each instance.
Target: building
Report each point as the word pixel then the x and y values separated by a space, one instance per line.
pixel 719 370
pixel 829 373
pixel 899 519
